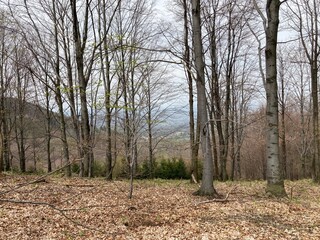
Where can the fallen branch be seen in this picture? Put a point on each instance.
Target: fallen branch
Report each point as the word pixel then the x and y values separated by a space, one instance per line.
pixel 39 179
pixel 222 200
pixel 80 185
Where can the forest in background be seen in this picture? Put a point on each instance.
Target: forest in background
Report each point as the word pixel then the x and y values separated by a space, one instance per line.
pixel 107 79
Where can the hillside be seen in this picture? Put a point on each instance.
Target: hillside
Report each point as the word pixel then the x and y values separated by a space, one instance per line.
pixel 59 208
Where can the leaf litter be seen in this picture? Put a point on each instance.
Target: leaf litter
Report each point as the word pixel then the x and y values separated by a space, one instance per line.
pixel 75 208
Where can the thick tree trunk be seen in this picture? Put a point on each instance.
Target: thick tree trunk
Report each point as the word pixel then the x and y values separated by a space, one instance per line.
pixel 275 183
pixel 206 187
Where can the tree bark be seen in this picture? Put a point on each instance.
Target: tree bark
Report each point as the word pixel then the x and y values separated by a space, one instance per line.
pixel 194 145
pixel 283 123
pixel 275 183
pixel 206 187
pixel 19 123
pixel 80 44
pixel 5 146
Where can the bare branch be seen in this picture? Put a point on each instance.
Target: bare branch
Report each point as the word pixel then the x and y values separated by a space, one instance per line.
pixel 39 179
pixel 261 15
pixel 219 199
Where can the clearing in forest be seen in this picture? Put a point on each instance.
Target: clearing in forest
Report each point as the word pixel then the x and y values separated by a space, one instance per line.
pixel 60 208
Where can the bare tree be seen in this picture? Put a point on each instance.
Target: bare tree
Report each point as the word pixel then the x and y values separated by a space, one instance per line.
pixel 206 187
pixel 275 181
pixel 5 62
pixel 282 103
pixel 305 22
pixel 194 128
pixel 300 85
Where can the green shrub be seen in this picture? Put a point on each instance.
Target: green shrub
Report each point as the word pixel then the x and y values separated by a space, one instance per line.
pixel 171 169
pixel 75 168
pixel 164 168
pixel 99 169
pixel 144 170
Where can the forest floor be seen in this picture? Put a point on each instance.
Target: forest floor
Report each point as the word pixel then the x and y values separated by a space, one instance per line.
pixel 60 208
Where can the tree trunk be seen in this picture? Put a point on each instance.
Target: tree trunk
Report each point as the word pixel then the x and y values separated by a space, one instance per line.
pixel 206 187
pixel 275 183
pixel 48 128
pixel 283 123
pixel 214 149
pixel 105 69
pixel 5 147
pixel 194 146
pixel 215 95
pixel 19 123
pixel 86 144
pixel 108 108
pixel 314 94
pixel 59 100
pixel 315 122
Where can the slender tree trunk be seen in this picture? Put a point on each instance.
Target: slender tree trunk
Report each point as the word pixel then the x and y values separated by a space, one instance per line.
pixel 314 92
pixel 308 16
pixel 275 183
pixel 215 94
pixel 5 147
pixel 302 126
pixel 63 132
pixel 315 118
pixel 150 147
pixel 20 119
pixel 216 107
pixel 206 187
pixel 214 149
pixel 149 129
pixel 194 145
pixel 105 66
pixel 48 128
pixel 108 109
pixel 72 93
pixel 66 159
pixel 80 45
pixel 282 123
pixel 233 149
